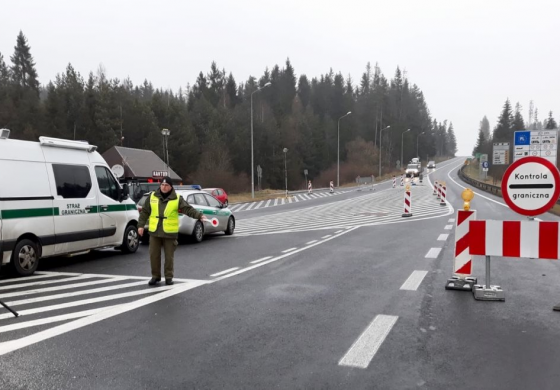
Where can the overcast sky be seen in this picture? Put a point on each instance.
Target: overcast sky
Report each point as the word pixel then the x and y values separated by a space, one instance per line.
pixel 467 56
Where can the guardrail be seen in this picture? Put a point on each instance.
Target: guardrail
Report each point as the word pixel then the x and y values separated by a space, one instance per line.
pixel 483 186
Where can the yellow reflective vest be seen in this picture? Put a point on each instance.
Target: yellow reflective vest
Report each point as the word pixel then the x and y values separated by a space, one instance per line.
pixel 170 215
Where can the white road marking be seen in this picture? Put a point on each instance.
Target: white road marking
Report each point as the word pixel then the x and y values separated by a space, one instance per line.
pixel 314 241
pixel 289 250
pixel 337 231
pixel 296 198
pixel 451 220
pixel 433 253
pixel 414 280
pixel 275 201
pixel 9 346
pixel 243 270
pixel 267 202
pixel 260 204
pixel 74 294
pixel 242 207
pixel 50 320
pixel 58 288
pixel 443 237
pixel 366 346
pixel 19 285
pixel 251 205
pixel 225 272
pixel 327 236
pixel 448 227
pixel 262 259
pixel 33 277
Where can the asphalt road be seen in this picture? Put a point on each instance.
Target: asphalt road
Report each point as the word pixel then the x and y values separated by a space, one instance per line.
pixel 339 292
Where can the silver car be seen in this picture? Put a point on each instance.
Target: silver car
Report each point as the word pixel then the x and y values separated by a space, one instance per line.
pixel 212 209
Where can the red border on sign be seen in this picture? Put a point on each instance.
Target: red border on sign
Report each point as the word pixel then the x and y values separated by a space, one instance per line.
pixel 526 160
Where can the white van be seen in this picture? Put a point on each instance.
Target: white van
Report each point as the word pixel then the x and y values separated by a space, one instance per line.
pixel 59 197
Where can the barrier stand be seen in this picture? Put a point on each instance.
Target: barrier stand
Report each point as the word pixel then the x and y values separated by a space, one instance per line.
pixel 15 313
pixel 488 292
pixel 556 308
pixel 407 202
pixel 394 181
pixel 435 187
pixel 443 189
pixel 462 265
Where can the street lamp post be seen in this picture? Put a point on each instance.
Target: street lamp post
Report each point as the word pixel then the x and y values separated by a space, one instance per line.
pixel 402 139
pixel 252 162
pixel 338 151
pixel 286 170
pixel 165 133
pixel 380 141
pixel 417 137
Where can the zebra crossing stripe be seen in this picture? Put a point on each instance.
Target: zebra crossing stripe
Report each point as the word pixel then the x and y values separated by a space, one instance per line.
pixel 267 203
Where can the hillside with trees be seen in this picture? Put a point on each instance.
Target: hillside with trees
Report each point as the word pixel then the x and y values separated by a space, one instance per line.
pixel 210 120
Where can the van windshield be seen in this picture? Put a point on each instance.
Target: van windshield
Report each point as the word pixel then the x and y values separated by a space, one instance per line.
pixel 412 166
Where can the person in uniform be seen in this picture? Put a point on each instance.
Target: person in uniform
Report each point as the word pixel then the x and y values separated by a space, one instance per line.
pixel 161 209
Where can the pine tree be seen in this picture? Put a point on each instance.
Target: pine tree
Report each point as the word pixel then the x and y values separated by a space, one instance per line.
pixel 485 127
pixel 304 90
pixel 550 122
pixel 503 130
pixel 23 69
pixel 452 141
pixel 480 142
pixel 518 122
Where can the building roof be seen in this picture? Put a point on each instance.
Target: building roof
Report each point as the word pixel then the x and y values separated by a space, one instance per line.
pixel 138 163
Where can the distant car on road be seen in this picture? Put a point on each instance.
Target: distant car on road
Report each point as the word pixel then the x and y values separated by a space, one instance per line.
pixel 431 165
pixel 413 170
pixel 219 194
pixel 205 203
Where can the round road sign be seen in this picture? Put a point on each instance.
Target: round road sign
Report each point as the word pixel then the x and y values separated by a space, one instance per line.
pixel 531 186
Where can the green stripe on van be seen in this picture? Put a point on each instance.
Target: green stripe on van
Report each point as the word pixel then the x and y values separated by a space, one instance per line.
pixel 29 213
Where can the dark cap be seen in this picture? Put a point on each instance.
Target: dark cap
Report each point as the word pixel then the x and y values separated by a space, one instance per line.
pixel 167 180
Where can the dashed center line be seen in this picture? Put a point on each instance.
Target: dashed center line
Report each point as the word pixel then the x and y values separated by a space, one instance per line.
pixel 442 237
pixel 339 231
pixel 289 250
pixel 451 220
pixel 225 272
pixel 327 236
pixel 364 349
pixel 414 280
pixel 433 253
pixel 448 227
pixel 259 260
pixel 311 242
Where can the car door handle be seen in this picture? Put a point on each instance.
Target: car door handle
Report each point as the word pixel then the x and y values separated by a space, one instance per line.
pixel 104 208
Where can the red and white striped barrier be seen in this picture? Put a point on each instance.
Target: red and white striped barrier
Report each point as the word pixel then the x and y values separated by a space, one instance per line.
pixel 394 181
pixel 443 190
pixel 309 188
pixel 527 239
pixel 402 180
pixel 435 187
pixel 407 204
pixel 462 265
pixel 438 191
pixel 331 185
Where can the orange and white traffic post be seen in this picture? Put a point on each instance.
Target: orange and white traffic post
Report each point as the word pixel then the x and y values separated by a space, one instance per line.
pixel 462 278
pixel 442 198
pixel 435 188
pixel 407 202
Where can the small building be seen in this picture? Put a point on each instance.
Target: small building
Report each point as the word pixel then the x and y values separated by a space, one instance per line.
pixel 141 167
pixel 139 164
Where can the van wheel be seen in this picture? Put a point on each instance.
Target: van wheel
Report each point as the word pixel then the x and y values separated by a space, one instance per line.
pixel 198 232
pixel 230 226
pixel 131 240
pixel 25 257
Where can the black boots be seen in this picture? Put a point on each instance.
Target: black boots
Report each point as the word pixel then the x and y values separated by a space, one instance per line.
pixel 169 281
pixel 153 281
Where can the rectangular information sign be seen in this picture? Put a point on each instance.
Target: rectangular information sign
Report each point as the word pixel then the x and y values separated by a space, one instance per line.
pixel 500 153
pixel 536 143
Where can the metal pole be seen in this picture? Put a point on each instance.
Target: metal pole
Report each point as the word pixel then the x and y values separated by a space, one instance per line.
pixel 338 156
pixel 487 271
pixel 286 173
pixel 402 144
pixel 252 172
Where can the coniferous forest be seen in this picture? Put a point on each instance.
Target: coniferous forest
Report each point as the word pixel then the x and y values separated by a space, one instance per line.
pixel 210 121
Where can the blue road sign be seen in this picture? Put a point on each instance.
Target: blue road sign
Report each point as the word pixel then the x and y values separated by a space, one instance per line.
pixel 522 138
pixel 485 164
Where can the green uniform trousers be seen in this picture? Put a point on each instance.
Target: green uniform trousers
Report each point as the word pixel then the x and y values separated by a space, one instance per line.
pixel 169 245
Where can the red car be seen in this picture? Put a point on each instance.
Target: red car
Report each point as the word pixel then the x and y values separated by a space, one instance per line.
pixel 219 194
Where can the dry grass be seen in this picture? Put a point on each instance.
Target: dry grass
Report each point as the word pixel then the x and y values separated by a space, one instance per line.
pixel 259 195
